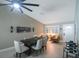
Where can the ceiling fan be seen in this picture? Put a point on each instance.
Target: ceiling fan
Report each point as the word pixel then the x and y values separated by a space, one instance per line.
pixel 19 4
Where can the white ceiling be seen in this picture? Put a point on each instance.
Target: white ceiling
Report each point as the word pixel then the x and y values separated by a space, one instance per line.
pixel 52 11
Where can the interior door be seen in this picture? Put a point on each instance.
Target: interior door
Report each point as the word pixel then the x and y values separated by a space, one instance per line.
pixel 68 32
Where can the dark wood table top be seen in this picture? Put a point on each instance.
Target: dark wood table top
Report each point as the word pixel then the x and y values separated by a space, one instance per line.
pixel 31 41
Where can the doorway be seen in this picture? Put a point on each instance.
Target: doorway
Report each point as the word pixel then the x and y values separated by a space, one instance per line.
pixel 68 32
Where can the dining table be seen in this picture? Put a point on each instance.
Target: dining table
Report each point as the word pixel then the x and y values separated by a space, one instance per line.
pixel 29 43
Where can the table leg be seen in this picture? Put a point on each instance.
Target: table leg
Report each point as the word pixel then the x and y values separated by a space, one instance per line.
pixel 67 54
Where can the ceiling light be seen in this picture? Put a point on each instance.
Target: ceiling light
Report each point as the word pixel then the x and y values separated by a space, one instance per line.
pixel 16 5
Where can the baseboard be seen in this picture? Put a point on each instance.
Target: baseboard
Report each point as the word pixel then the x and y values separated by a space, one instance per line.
pixel 6 49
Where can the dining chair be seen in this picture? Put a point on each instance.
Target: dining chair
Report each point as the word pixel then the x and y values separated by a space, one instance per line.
pixel 38 46
pixel 71 50
pixel 44 42
pixel 19 48
pixel 35 35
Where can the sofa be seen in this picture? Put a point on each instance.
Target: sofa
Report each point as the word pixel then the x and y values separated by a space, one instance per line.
pixel 55 38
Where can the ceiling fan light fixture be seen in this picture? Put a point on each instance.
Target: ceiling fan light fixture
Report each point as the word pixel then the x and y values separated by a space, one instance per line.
pixel 16 5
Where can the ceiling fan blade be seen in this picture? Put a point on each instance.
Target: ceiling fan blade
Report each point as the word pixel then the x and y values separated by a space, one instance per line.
pixel 9 0
pixel 29 4
pixel 4 4
pixel 21 10
pixel 22 0
pixel 26 8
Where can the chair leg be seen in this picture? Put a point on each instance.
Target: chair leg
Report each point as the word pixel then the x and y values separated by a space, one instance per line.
pixel 76 56
pixel 29 52
pixel 67 54
pixel 16 54
pixel 20 55
pixel 41 50
pixel 63 53
pixel 44 48
pixel 36 52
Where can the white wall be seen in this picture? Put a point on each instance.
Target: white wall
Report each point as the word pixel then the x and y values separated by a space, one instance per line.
pixel 77 20
pixel 68 32
pixel 8 19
